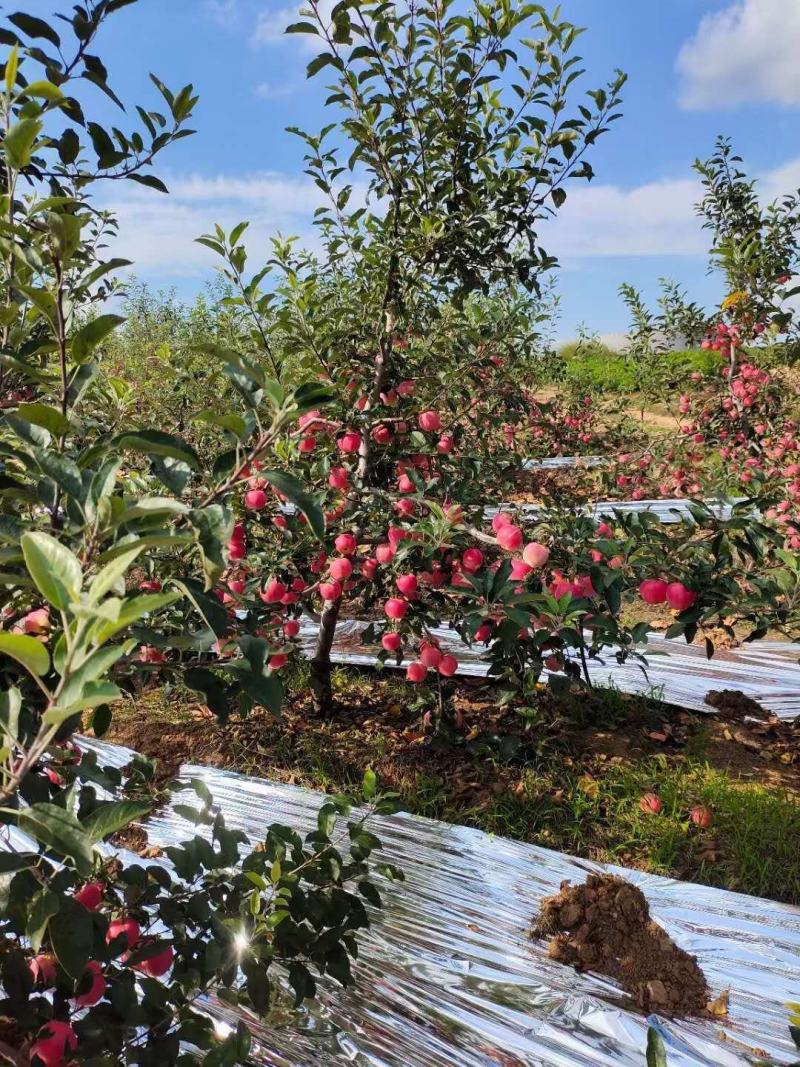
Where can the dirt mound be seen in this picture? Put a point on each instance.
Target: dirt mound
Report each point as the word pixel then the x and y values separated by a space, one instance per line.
pixel 734 703
pixel 604 926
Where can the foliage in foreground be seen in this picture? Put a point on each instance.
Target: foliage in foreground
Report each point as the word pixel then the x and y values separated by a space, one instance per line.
pixel 104 960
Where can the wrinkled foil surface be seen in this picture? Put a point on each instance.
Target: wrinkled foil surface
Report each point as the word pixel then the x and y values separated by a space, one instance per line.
pixel 676 673
pixel 448 977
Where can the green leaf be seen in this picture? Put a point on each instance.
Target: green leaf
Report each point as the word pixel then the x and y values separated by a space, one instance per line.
pixel 59 830
pixel 10 706
pixel 35 27
pixel 205 682
pixel 370 784
pixel 18 142
pixel 107 578
pixel 109 817
pixel 55 570
pixel 301 27
pixel 42 907
pixel 149 180
pixel 294 491
pixel 45 90
pixel 71 933
pixel 167 540
pixel 213 525
pixel 63 471
pixel 90 695
pixel 43 415
pixel 233 423
pixel 12 65
pixel 96 665
pixel 155 442
pixel 89 336
pixel 656 1053
pixel 130 612
pixel 31 653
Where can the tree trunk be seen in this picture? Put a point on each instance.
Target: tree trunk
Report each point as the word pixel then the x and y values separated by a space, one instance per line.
pixel 321 690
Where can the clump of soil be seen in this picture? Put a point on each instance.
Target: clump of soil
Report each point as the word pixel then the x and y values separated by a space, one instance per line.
pixel 604 926
pixel 734 703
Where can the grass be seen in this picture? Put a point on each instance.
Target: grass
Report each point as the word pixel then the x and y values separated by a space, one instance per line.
pixel 573 785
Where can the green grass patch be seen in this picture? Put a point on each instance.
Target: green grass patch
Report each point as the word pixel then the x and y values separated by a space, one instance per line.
pixel 574 784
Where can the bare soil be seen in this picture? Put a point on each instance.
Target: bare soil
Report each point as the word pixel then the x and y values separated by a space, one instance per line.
pixel 605 926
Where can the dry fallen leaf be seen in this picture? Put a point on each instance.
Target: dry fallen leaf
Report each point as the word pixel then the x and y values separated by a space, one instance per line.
pixel 719 1006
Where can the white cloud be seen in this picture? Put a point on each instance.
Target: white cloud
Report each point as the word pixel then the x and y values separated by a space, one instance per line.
pixel 655 219
pixel 269 91
pixel 271 26
pixel 745 54
pixel 158 232
pixel 224 12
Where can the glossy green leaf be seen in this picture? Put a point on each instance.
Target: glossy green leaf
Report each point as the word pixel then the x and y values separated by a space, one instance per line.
pixel 32 654
pixel 55 570
pixel 155 442
pixel 109 817
pixel 85 340
pixel 43 415
pixel 112 572
pixel 57 829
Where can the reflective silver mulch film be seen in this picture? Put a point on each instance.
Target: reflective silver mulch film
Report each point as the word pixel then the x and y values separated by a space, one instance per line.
pixel 666 510
pixel 449 978
pixel 677 673
pixel 555 463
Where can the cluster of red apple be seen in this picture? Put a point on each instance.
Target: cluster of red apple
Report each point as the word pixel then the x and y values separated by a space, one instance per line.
pixel 675 594
pixel 57 1040
pixel 561 427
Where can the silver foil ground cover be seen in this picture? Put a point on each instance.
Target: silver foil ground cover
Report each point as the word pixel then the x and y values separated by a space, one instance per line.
pixel 676 673
pixel 448 976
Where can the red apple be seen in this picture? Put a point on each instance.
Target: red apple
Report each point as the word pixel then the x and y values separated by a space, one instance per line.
pixel 448 665
pixel 54 1044
pixel 126 928
pixel 701 816
pixel 509 537
pixel 535 555
pixel 273 592
pixel 341 569
pixel 95 990
pixel 679 597
pixel 43 970
pixel 416 672
pixel 346 544
pixel 392 642
pixel 90 895
pixel 407 585
pixel 472 560
pixel 429 421
pixel 395 609
pixel 650 804
pixel 338 478
pixel 349 442
pixel 653 591
pixel 255 499
pixel 430 655
pixel 158 965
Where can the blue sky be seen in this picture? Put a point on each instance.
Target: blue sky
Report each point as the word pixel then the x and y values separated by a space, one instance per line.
pixel 696 68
